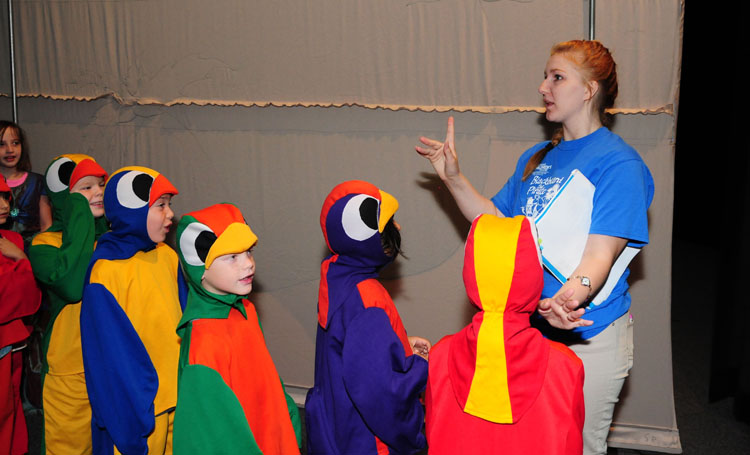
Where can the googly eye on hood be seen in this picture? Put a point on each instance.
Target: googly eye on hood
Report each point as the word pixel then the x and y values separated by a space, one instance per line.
pixel 206 234
pixel 353 218
pixel 63 173
pixel 128 195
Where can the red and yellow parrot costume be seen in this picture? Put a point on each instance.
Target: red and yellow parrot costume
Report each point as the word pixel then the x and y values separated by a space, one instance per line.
pixel 499 386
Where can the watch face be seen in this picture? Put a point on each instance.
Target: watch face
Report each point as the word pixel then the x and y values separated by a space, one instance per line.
pixel 585 281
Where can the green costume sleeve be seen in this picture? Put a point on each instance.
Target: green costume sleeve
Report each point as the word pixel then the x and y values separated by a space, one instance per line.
pixel 209 419
pixel 62 270
pixel 293 415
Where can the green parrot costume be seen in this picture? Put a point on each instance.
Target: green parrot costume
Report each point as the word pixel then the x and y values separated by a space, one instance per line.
pixel 230 398
pixel 59 258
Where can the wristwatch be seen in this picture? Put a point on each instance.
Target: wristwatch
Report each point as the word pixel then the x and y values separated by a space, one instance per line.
pixel 585 281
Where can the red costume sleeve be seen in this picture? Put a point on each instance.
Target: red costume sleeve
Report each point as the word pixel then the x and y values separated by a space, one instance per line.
pixel 19 295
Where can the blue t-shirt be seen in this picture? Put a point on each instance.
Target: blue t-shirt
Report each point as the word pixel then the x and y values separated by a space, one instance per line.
pixel 624 190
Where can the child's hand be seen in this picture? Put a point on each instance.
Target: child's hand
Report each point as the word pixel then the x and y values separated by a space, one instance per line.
pixel 10 250
pixel 420 346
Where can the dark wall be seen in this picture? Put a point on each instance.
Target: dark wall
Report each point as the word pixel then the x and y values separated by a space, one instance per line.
pixel 712 182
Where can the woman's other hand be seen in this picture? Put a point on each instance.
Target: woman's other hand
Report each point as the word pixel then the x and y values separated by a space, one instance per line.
pixel 562 312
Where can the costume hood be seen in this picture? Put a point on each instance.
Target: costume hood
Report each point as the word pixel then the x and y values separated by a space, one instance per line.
pixel 4 188
pixel 129 193
pixel 352 219
pixel 63 173
pixel 202 236
pixel 498 362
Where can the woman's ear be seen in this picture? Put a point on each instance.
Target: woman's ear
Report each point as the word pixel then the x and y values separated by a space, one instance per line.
pixel 592 88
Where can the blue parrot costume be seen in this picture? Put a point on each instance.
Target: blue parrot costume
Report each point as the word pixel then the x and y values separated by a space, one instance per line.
pixel 133 299
pixel 367 382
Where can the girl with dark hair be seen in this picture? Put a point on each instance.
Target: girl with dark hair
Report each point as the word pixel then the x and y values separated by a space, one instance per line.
pixel 580 83
pixel 31 211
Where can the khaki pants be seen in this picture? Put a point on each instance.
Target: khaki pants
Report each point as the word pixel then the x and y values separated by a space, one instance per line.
pixel 607 359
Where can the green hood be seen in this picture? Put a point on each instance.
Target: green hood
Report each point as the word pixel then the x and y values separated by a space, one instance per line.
pixel 202 236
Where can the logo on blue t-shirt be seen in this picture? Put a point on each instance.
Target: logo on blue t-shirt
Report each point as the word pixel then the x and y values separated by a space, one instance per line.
pixel 541 190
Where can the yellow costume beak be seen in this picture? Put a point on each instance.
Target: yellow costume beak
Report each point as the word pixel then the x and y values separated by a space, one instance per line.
pixel 388 207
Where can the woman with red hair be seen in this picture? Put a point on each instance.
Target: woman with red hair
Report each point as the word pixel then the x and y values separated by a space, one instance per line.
pixel 580 84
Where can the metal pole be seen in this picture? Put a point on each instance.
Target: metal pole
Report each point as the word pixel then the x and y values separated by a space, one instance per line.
pixel 14 95
pixel 592 8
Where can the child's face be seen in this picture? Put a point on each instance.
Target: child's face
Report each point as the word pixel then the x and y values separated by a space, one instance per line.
pixel 390 239
pixel 92 188
pixel 4 208
pixel 10 148
pixel 231 274
pixel 159 218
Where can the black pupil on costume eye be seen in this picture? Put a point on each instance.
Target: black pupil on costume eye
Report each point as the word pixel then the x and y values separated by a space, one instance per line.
pixel 65 171
pixel 203 244
pixel 142 186
pixel 368 211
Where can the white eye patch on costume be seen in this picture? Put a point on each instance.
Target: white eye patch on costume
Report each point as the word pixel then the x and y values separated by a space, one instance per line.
pixel 195 242
pixel 360 217
pixel 58 174
pixel 133 189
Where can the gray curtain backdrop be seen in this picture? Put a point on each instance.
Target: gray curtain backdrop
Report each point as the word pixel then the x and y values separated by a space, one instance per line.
pixel 270 104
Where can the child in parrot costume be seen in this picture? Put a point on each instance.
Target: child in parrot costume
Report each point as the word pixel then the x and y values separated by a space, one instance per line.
pixel 19 297
pixel 366 398
pixel 231 399
pixel 499 386
pixel 131 306
pixel 60 257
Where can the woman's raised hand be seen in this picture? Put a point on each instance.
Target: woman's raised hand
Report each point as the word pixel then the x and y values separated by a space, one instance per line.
pixel 442 155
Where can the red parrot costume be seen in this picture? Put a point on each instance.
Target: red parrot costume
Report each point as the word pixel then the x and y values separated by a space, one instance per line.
pixel 19 297
pixel 499 386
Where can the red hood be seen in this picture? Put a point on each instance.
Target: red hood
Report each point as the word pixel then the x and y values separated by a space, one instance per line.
pixel 498 362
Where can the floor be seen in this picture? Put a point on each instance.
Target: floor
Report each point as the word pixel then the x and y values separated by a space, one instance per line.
pixel 705 428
